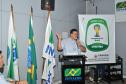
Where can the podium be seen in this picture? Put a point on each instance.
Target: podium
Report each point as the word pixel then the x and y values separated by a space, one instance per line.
pixel 73 68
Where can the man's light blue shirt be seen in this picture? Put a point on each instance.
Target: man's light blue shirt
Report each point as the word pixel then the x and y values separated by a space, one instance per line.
pixel 69 47
pixel 3 80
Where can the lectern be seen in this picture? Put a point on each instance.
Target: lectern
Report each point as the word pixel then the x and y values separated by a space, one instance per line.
pixel 73 68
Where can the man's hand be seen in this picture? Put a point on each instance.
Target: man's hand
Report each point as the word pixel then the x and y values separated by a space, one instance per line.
pixel 59 47
pixel 78 43
pixel 58 36
pixel 82 48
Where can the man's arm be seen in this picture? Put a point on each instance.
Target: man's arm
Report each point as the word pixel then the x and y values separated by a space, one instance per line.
pixel 59 46
pixel 82 48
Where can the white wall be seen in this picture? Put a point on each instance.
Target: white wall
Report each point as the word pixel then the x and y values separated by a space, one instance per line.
pixel 63 19
pixel 103 7
pixel 120 42
pixel 0 33
pixel 108 7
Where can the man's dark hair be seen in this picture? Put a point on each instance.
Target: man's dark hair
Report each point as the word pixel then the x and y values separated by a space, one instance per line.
pixel 0 52
pixel 73 30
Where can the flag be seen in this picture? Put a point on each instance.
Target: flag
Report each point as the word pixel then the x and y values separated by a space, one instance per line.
pixel 48 54
pixel 12 51
pixel 31 60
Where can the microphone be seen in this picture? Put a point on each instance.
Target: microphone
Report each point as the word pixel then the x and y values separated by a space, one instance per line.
pixel 77 43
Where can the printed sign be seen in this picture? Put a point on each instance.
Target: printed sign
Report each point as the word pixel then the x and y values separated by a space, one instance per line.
pixel 120 10
pixel 72 74
pixel 97 32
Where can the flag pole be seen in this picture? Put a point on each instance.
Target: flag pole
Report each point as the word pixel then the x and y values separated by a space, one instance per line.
pixel 31 59
pixel 31 11
pixel 42 80
pixel 49 13
pixel 12 15
pixel 14 31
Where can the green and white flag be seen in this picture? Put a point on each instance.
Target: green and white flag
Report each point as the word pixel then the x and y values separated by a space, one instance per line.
pixel 48 54
pixel 12 52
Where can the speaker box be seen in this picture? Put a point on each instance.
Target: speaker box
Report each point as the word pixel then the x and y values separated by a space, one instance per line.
pixel 48 5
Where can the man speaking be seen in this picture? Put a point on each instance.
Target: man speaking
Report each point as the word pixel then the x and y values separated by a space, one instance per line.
pixel 71 45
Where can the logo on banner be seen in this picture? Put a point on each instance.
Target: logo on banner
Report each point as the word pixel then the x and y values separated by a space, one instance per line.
pixel 97 35
pixel 121 6
pixel 73 74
